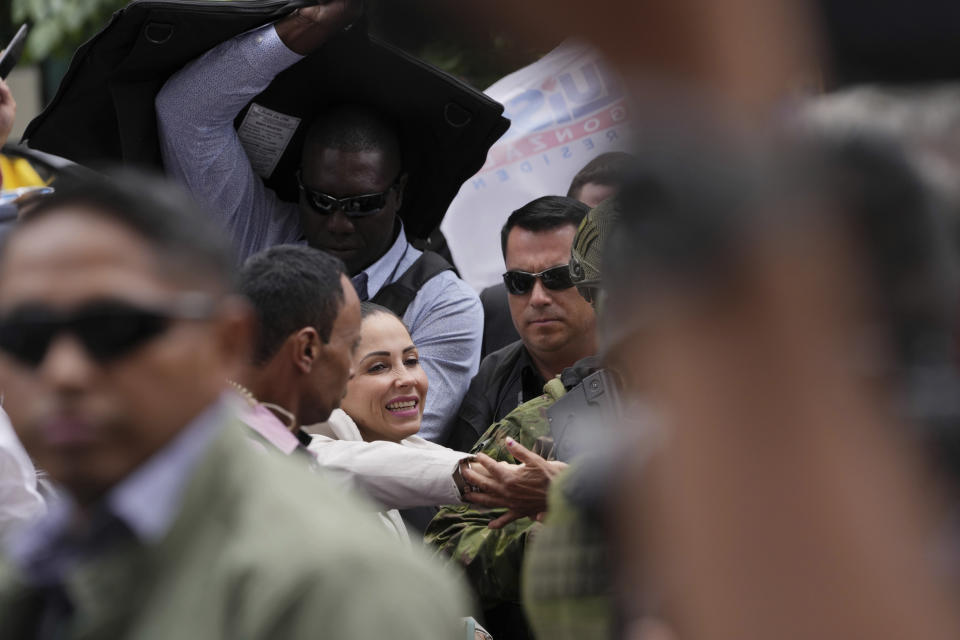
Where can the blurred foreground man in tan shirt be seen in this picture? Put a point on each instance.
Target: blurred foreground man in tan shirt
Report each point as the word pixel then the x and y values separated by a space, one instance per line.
pixel 118 328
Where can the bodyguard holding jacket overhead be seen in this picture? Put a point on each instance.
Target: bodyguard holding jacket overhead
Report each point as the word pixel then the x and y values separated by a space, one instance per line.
pixel 351 181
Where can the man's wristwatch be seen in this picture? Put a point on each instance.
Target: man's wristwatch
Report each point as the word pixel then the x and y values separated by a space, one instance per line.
pixel 458 480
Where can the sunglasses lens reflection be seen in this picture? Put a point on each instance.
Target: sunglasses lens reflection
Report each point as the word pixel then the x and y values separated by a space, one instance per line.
pixel 557 278
pixel 518 282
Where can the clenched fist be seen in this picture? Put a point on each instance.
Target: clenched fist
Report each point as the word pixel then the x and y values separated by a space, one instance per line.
pixel 308 28
pixel 333 15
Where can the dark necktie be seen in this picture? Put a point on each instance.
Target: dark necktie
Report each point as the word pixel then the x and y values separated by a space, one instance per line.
pixel 104 531
pixel 360 284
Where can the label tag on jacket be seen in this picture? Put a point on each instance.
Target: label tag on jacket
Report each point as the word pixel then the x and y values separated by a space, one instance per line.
pixel 265 134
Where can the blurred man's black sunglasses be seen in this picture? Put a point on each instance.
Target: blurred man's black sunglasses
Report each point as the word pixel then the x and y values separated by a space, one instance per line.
pixel 361 206
pixel 107 329
pixel 521 282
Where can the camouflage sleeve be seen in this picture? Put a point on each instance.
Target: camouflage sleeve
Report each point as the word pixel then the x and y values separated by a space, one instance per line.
pixel 492 558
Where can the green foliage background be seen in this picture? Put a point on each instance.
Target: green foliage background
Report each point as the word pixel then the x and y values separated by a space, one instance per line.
pixel 58 27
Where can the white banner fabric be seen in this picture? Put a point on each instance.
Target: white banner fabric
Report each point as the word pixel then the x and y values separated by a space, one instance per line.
pixel 565 109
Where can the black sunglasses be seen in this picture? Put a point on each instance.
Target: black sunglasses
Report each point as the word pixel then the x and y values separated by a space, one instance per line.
pixel 361 206
pixel 521 282
pixel 108 329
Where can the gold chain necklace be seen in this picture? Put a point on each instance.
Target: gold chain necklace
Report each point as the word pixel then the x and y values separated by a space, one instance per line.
pixel 251 399
pixel 244 392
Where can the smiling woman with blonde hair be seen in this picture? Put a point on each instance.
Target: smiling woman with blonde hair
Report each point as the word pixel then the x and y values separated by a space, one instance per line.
pixel 386 394
pixel 384 401
pixel 384 404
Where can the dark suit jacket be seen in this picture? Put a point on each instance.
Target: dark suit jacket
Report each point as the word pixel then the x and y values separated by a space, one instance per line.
pixel 507 378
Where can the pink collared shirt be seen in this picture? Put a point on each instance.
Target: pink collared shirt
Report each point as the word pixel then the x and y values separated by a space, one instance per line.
pixel 269 427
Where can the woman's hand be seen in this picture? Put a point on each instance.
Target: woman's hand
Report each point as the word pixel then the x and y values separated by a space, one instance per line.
pixel 521 488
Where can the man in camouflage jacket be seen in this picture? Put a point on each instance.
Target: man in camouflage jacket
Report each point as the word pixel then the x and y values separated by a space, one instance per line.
pixel 493 558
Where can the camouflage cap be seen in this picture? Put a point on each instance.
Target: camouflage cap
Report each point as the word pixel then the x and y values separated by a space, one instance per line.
pixel 586 254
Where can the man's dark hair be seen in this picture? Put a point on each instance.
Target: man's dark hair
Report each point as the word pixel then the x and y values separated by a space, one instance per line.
pixel 184 236
pixel 291 287
pixel 544 214
pixel 606 169
pixel 353 128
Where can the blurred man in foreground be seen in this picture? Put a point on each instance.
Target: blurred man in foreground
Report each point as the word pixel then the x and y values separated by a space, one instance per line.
pixel 788 360
pixel 118 328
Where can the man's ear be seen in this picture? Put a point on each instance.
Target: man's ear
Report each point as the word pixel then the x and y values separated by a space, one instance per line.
pixel 307 348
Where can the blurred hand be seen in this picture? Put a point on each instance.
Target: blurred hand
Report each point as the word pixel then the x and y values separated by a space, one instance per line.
pixel 8 110
pixel 521 488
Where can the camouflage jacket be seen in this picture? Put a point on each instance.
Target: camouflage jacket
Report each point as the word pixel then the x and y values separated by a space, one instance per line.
pixel 491 558
pixel 567 583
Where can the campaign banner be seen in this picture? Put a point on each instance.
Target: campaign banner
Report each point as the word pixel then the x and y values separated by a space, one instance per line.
pixel 564 110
